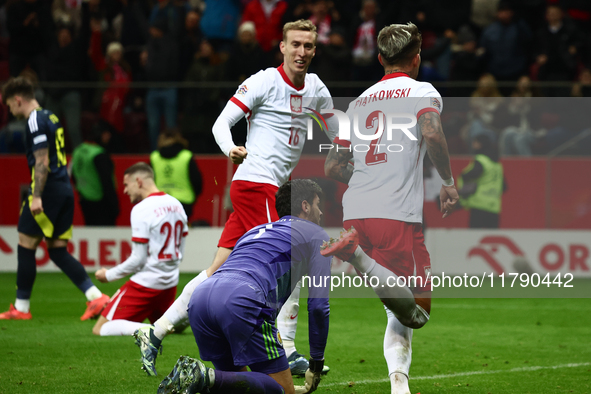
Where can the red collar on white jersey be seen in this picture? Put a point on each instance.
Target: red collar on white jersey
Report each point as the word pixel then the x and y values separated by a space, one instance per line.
pixel 394 75
pixel 287 80
pixel 157 194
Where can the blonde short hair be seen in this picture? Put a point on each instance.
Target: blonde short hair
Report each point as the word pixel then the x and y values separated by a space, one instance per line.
pixel 398 44
pixel 301 25
pixel 114 47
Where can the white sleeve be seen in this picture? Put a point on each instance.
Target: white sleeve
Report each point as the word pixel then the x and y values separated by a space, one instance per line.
pixel 247 96
pixel 325 102
pixel 429 100
pixel 134 263
pixel 221 128
pixel 140 228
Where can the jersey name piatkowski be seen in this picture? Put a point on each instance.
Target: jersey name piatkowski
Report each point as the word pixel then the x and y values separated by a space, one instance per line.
pixel 387 180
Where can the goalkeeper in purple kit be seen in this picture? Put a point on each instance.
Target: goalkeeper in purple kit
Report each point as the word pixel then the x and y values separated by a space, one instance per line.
pixel 232 314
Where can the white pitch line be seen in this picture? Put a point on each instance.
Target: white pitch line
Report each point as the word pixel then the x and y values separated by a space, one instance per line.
pixel 462 374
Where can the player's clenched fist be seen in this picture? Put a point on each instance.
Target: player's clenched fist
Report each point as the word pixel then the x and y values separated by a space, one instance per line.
pixel 449 199
pixel 238 154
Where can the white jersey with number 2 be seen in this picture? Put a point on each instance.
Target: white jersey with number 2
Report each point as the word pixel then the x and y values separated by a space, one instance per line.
pixel 277 125
pixel 160 221
pixel 387 180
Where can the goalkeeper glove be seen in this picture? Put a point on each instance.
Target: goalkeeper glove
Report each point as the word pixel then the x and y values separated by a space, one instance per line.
pixel 313 375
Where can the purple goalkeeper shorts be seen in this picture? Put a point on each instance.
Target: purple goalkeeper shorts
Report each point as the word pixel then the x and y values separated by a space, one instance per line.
pixel 233 325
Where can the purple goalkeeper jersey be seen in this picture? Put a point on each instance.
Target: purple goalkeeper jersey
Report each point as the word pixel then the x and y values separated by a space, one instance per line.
pixel 276 256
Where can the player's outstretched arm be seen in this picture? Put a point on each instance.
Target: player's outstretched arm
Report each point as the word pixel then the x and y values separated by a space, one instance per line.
pixel 40 177
pixel 432 132
pixel 134 263
pixel 337 164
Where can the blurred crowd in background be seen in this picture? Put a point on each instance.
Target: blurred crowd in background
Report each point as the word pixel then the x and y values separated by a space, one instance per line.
pixel 136 68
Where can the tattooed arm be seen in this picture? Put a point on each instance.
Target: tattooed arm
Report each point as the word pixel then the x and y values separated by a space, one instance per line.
pixel 337 164
pixel 430 126
pixel 41 172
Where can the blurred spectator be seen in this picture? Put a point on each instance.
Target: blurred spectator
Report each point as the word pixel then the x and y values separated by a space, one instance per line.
pixel 162 66
pixel 436 55
pixel 219 23
pixel 247 57
pixel 557 47
pixel 322 18
pixel 66 13
pixel 201 106
pixel 67 62
pixel 483 13
pixel 519 137
pixel 579 11
pixel 505 44
pixel 114 70
pixel 94 175
pixel 171 14
pixel 466 65
pixel 298 9
pixel 441 15
pixel 333 61
pixel 190 41
pixel 582 88
pixel 481 185
pixel 175 170
pixel 30 27
pixel 366 66
pixel 267 16
pixel 134 31
pixel 483 104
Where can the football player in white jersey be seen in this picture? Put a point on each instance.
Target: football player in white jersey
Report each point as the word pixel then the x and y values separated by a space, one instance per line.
pixel 271 100
pixel 384 200
pixel 158 231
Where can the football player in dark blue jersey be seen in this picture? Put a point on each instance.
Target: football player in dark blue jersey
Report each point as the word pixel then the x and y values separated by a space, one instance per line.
pixel 233 313
pixel 49 209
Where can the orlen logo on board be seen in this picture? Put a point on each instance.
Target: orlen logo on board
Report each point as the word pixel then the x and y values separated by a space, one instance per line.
pixel 377 122
pixel 551 256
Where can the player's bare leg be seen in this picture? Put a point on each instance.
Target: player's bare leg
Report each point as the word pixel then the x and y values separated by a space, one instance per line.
pixel 285 380
pixel 398 353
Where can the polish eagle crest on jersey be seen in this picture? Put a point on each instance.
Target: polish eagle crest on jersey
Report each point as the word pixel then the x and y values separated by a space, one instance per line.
pixel 296 104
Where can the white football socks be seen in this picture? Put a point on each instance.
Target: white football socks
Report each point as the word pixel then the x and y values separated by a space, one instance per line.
pixel 120 327
pixel 23 306
pixel 287 320
pixel 177 312
pixel 398 353
pixel 93 293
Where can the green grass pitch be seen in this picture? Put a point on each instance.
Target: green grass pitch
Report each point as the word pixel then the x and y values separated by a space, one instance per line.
pixel 469 346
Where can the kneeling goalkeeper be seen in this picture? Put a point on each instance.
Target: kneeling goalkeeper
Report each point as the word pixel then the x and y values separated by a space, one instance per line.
pixel 232 313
